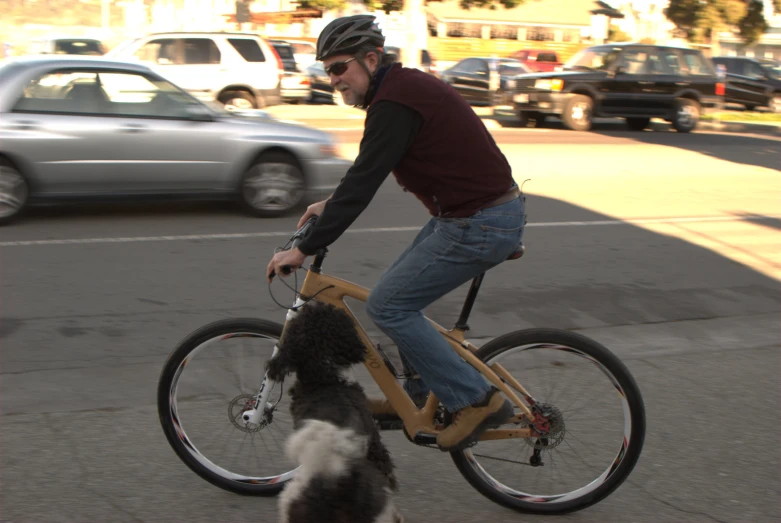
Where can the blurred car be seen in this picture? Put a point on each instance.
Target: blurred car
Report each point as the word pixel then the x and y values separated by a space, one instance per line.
pixel 481 81
pixel 752 82
pixel 427 62
pixel 107 129
pixel 295 83
pixel 238 70
pixel 304 52
pixel 70 46
pixel 540 60
pixel 632 81
pixel 321 90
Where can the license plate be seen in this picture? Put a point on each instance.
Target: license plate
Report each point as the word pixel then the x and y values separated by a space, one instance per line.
pixel 521 98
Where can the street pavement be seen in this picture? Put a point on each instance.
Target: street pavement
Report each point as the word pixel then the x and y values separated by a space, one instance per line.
pixel 666 248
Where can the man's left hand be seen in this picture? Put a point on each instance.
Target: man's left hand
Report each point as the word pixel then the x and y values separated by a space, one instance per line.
pixel 293 258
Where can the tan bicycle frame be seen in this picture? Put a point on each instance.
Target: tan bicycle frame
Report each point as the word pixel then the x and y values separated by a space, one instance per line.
pixel 333 290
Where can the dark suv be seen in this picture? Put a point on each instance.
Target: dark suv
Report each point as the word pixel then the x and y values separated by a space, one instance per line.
pixel 633 81
pixel 752 82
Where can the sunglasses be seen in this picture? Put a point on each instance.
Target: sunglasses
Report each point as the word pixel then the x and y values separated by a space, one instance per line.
pixel 338 68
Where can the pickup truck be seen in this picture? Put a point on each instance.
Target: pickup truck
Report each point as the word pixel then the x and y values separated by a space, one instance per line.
pixel 538 60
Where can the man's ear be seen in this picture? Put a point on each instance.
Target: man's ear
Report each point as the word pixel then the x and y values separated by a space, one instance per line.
pixel 372 61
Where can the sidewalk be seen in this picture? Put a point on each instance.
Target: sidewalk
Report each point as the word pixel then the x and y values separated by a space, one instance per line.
pixel 350 118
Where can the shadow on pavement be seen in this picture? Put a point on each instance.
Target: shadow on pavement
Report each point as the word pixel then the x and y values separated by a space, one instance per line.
pixel 88 329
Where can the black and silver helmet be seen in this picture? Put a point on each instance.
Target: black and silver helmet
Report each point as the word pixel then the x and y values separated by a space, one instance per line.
pixel 348 35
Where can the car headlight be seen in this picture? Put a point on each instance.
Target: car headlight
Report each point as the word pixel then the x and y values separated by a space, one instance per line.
pixel 511 84
pixel 549 84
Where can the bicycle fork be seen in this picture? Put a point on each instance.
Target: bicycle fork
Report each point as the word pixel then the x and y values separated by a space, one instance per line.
pixel 254 415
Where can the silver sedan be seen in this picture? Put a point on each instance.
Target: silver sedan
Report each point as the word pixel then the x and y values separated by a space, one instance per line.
pixel 78 128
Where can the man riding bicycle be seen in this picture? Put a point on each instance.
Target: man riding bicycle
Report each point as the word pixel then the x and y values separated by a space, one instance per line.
pixel 424 132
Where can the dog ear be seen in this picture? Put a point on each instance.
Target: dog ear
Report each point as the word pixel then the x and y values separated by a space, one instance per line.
pixel 332 334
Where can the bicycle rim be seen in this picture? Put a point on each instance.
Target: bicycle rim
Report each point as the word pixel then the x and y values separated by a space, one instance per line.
pixel 597 425
pixel 210 379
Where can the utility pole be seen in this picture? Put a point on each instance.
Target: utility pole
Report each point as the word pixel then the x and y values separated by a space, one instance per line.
pixel 413 13
pixel 105 12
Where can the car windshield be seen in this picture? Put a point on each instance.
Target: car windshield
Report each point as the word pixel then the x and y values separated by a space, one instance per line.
pixel 511 68
pixel 594 58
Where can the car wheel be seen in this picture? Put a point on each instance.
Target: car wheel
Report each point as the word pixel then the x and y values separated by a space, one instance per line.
pixel 539 120
pixel 233 100
pixel 273 186
pixel 578 113
pixel 775 103
pixel 687 114
pixel 638 124
pixel 523 118
pixel 14 191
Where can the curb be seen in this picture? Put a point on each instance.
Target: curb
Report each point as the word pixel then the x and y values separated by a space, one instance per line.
pixel 741 127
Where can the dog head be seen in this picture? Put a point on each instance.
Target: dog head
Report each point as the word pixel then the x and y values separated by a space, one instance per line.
pixel 317 344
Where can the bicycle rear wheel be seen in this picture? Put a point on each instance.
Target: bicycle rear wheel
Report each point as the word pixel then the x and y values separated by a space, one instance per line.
pixel 210 378
pixel 597 425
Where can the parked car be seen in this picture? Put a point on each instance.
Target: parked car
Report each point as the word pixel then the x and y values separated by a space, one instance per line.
pixel 304 52
pixel 483 80
pixel 321 90
pixel 72 46
pixel 540 60
pixel 295 83
pixel 107 129
pixel 238 70
pixel 752 82
pixel 633 81
pixel 427 62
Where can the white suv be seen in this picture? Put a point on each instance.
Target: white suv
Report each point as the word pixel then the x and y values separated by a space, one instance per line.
pixel 239 70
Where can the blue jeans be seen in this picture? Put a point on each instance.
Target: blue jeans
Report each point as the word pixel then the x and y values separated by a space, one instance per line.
pixel 447 253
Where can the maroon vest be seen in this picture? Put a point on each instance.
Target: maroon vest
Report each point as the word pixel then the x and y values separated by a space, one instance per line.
pixel 453 166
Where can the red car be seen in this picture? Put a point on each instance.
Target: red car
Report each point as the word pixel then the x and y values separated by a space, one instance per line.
pixel 538 59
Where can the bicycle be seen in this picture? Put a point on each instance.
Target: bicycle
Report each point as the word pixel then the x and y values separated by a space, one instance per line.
pixel 543 430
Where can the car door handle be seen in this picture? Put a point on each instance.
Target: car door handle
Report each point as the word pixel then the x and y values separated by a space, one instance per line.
pixel 682 83
pixel 24 125
pixel 132 128
pixel 646 83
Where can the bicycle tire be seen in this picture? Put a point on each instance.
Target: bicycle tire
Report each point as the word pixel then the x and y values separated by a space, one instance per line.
pixel 534 504
pixel 258 486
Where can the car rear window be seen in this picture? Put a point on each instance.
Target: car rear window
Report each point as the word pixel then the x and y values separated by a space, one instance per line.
pixel 696 63
pixel 83 47
pixel 248 49
pixel 546 57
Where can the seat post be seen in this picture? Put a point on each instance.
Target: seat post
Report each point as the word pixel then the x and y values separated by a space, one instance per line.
pixel 469 303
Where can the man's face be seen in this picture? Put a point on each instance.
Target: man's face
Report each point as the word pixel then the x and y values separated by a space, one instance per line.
pixel 348 77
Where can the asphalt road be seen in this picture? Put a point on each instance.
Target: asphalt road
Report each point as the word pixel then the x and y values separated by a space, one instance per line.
pixel 663 247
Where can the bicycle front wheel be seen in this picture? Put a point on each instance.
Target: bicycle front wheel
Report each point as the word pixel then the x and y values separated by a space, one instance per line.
pixel 596 421
pixel 209 380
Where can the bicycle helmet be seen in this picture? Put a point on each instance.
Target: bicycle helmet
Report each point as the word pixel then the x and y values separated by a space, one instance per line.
pixel 348 35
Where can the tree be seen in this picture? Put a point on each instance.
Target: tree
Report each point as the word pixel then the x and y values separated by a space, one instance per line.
pixel 703 20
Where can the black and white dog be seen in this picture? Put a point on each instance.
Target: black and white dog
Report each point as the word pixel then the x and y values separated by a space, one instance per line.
pixel 346 473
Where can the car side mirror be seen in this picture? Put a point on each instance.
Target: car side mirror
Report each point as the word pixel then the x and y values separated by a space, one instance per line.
pixel 619 70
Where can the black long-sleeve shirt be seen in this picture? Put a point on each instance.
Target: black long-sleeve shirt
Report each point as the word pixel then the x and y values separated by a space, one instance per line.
pixel 389 131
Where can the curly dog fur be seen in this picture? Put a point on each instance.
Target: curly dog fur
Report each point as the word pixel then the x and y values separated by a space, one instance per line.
pixel 346 473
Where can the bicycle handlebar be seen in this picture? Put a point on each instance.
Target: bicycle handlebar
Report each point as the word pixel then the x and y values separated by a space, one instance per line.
pixel 295 240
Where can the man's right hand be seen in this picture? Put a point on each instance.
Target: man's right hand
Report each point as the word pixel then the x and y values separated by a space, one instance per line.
pixel 316 209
